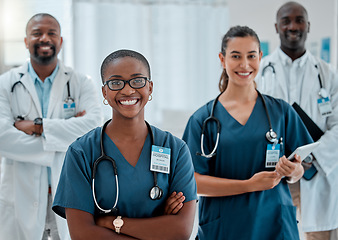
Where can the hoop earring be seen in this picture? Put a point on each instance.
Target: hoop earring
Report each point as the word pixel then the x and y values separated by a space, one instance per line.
pixel 105 101
pixel 150 98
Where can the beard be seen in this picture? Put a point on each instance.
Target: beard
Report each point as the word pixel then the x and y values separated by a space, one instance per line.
pixel 44 59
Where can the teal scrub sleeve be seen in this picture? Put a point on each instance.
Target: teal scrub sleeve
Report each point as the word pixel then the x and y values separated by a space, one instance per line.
pixel 74 188
pixel 183 179
pixel 192 136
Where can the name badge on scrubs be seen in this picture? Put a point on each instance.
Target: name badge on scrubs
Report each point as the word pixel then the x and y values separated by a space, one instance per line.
pixel 325 107
pixel 68 108
pixel 160 159
pixel 272 155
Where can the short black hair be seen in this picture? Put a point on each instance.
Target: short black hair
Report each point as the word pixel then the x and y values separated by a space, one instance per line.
pixel 288 5
pixel 42 15
pixel 121 54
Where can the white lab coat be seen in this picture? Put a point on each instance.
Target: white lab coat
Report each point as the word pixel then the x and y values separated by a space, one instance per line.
pixel 24 184
pixel 319 196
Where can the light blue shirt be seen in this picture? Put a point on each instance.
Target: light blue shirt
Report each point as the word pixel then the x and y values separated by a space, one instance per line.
pixel 43 88
pixel 43 91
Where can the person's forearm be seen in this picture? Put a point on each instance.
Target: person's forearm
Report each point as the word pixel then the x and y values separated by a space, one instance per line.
pixel 82 226
pixel 175 227
pixel 97 232
pixel 210 186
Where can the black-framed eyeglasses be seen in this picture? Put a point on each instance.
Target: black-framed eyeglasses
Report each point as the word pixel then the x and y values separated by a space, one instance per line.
pixel 118 84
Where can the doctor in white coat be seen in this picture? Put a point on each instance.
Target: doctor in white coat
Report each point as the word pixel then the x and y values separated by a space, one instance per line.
pixel 36 127
pixel 295 75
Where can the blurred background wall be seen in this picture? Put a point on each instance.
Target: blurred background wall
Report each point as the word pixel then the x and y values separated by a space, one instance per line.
pixel 180 38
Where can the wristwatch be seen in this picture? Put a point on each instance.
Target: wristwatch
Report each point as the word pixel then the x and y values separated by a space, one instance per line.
pixel 38 126
pixel 38 121
pixel 118 223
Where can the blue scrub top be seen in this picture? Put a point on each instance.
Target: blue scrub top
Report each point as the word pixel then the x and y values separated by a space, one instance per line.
pixel 241 152
pixel 75 185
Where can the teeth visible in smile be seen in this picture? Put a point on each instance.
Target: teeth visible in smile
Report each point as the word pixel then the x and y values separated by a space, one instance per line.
pixel 128 102
pixel 44 48
pixel 243 74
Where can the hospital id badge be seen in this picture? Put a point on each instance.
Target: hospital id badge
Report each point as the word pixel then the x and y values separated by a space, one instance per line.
pixel 325 107
pixel 272 155
pixel 68 109
pixel 160 159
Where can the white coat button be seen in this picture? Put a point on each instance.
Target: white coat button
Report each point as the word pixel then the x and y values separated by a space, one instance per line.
pixel 36 204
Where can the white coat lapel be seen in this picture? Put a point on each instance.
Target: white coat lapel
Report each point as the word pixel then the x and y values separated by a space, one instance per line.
pixel 57 91
pixel 310 73
pixel 280 78
pixel 29 85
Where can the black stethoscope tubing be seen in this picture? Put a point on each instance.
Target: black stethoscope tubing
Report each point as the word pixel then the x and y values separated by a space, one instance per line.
pixel 267 66
pixel 271 135
pixel 22 117
pixel 155 192
pixel 322 91
pixel 205 122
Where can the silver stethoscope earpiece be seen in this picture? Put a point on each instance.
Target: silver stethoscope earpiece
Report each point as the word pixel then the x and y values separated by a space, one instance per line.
pixel 271 135
pixel 155 192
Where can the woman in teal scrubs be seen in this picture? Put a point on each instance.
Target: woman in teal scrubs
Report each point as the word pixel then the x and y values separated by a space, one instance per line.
pixel 243 195
pixel 130 141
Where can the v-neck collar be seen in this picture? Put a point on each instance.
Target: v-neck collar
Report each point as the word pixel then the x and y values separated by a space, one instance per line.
pixel 235 120
pixel 112 150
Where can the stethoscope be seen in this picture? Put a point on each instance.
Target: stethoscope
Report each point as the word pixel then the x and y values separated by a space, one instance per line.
pixel 155 192
pixel 270 65
pixel 270 135
pixel 322 92
pixel 67 100
pixel 22 116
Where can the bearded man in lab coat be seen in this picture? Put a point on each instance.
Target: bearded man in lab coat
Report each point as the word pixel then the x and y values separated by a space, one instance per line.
pixel 298 76
pixel 44 107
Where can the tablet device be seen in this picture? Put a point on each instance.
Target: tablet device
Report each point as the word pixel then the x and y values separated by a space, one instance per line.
pixel 304 150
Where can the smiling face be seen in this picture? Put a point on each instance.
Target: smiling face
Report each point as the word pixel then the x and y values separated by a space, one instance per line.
pixel 127 102
pixel 241 60
pixel 292 26
pixel 43 39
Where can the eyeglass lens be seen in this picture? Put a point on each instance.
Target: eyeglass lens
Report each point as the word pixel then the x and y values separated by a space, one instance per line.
pixel 118 84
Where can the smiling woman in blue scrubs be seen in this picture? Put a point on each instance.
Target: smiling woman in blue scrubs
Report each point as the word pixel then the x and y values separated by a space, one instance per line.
pixel 243 188
pixel 130 141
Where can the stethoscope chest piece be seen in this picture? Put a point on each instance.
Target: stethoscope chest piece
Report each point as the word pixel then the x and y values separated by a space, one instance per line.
pixel 271 136
pixel 323 93
pixel 156 193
